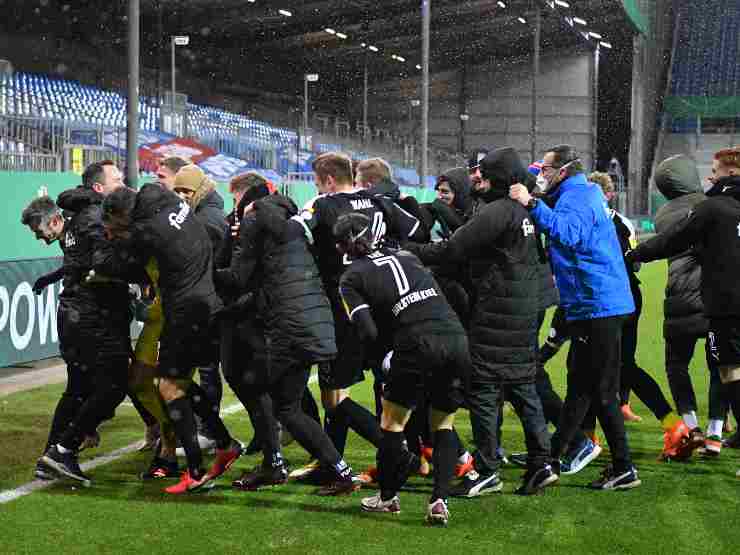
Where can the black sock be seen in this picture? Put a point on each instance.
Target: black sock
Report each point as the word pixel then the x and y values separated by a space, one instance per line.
pixel 335 426
pixel 459 447
pixel 207 411
pixel 181 413
pixel 390 460
pixel 66 410
pixel 445 459
pixel 309 406
pixel 732 393
pixel 361 421
pixel 309 435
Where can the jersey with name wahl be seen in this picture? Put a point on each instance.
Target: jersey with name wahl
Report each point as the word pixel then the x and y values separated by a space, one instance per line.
pixel 400 293
pixel 387 220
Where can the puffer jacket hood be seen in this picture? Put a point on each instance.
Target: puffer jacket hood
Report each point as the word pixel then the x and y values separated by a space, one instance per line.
pixel 677 176
pixel 459 181
pixel 78 199
pixel 150 199
pixel 503 168
pixel 273 220
pixel 212 199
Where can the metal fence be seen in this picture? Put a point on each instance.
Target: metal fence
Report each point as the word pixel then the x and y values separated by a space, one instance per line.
pixel 29 162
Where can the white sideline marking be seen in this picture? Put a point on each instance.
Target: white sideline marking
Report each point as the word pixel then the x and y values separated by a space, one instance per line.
pixel 21 491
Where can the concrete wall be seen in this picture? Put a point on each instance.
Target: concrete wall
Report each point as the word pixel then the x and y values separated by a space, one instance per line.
pixel 497 97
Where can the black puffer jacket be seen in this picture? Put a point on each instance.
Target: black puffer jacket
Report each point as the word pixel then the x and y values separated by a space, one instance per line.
pixel 210 212
pixel 715 225
pixel 504 168
pixel 678 180
pixel 501 243
pixel 290 296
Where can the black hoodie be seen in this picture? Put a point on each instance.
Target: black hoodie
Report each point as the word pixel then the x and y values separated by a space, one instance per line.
pixel 715 225
pixel 678 180
pixel 164 227
pixel 449 217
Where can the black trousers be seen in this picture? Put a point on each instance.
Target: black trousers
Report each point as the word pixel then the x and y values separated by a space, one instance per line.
pixel 593 380
pixel 484 401
pixel 95 343
pixel 634 378
pixel 210 382
pixel 679 350
pixel 286 386
pixel 552 404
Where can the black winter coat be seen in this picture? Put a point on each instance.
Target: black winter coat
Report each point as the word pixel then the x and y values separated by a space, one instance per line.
pixel 83 235
pixel 715 225
pixel 210 212
pixel 683 309
pixel 94 317
pixel 290 295
pixel 163 226
pixel 501 243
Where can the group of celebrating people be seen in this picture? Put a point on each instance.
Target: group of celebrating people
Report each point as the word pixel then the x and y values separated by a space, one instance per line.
pixel 442 301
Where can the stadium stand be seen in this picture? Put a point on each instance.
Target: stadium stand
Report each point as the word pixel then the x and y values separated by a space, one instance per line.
pixel 42 99
pixel 703 96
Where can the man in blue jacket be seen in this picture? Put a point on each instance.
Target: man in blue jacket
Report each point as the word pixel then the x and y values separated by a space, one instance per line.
pixel 595 295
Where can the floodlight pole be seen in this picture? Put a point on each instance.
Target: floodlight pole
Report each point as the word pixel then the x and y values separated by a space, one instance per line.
pixel 172 98
pixel 132 129
pixel 535 75
pixel 305 104
pixel 364 106
pixel 426 16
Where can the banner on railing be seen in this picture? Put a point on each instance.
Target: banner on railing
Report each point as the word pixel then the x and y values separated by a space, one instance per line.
pixel 28 322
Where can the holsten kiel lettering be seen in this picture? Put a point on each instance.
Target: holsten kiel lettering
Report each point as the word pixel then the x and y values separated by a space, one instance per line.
pixel 176 220
pixel 413 297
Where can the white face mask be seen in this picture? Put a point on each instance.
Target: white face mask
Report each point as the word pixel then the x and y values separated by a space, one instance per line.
pixel 707 186
pixel 541 183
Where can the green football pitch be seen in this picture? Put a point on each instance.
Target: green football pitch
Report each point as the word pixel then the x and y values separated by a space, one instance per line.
pixel 680 508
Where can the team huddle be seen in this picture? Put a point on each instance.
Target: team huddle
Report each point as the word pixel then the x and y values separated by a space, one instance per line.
pixel 441 302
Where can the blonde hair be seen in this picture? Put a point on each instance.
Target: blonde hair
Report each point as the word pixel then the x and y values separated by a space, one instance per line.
pixel 334 164
pixel 373 170
pixel 603 180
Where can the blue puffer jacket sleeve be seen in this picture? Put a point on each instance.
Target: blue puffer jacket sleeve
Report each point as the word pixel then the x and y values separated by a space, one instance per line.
pixel 585 252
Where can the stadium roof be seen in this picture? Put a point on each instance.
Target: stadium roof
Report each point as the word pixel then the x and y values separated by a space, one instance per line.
pixel 256 42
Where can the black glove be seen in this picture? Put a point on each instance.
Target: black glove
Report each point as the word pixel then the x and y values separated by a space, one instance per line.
pixel 44 281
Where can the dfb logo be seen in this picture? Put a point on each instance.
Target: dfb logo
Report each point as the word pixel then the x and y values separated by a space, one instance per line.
pixel 527 227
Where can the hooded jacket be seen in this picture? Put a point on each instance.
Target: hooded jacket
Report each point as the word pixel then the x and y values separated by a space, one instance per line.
pixel 585 253
pixel 501 245
pixel 275 260
pixel 504 168
pixel 683 309
pixel 209 209
pixel 163 226
pixel 715 225
pixel 449 217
